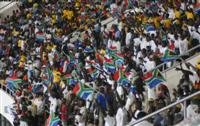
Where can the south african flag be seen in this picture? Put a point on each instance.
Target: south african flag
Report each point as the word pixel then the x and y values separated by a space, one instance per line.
pixel 83 91
pixel 153 78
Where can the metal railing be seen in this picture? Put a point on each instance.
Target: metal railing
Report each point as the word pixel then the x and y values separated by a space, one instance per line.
pixel 4 121
pixel 188 52
pixel 167 107
pixel 7 90
pixel 10 2
pixel 162 65
pixel 177 102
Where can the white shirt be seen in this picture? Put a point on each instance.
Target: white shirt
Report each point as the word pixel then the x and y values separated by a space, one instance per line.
pixel 78 119
pixel 109 121
pixel 143 44
pixel 137 41
pixel 121 117
pixel 117 44
pixel 183 46
pixel 151 93
pixel 149 65
pixel 176 43
pixel 191 111
pixel 53 104
pixel 23 123
pixel 128 38
pixel 50 57
pixel 39 103
pixel 170 36
pixel 171 13
pixel 153 45
pixel 162 49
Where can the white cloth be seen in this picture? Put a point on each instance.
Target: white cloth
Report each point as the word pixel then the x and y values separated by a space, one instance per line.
pixel 109 121
pixel 183 46
pixel 53 104
pixel 78 120
pixel 149 65
pixel 153 45
pixel 176 43
pixel 143 44
pixel 151 93
pixel 39 103
pixel 191 111
pixel 121 117
pixel 22 123
pixel 128 38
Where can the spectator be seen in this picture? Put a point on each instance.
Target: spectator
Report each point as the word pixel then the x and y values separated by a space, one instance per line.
pixel 64 113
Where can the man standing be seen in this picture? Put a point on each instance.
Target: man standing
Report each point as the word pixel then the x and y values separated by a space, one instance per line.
pixel 63 113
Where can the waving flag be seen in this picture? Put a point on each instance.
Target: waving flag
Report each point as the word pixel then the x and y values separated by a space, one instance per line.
pixel 70 79
pixel 40 36
pixel 112 50
pixel 153 78
pixel 88 49
pixel 52 120
pixel 82 91
pixel 50 75
pixel 169 56
pixel 91 69
pixel 197 8
pixel 57 55
pixel 119 58
pixel 120 78
pixel 12 83
pixel 109 65
pixel 118 75
pixel 100 58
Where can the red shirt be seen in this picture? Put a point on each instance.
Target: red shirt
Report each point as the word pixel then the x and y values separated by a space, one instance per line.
pixel 63 112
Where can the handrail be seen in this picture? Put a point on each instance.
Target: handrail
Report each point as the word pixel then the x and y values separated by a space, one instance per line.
pixel 162 64
pixel 165 108
pixel 6 5
pixel 189 51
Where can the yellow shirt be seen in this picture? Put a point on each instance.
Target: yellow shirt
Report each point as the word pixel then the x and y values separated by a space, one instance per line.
pixel 53 19
pixel 68 14
pixel 28 15
pixel 103 51
pixel 156 22
pixel 77 4
pixel 19 43
pixel 167 23
pixel 177 14
pixel 15 33
pixel 23 58
pixel 189 15
pixel 62 84
pixel 57 77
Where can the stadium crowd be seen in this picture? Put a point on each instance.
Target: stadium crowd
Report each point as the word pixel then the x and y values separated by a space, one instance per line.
pixel 99 78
